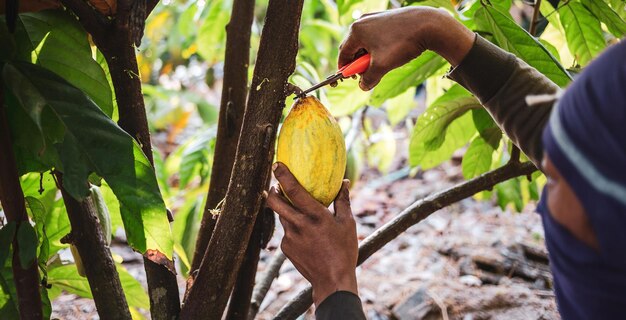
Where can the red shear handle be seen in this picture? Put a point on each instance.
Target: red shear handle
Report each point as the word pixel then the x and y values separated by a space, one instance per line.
pixel 355 67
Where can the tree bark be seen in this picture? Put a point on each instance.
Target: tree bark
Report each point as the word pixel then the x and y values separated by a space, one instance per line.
pixel 412 215
pixel 276 61
pixel 232 107
pixel 88 238
pixel 239 305
pixel 116 39
pixel 12 199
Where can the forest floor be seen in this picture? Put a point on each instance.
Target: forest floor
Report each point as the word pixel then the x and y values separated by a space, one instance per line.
pixel 471 260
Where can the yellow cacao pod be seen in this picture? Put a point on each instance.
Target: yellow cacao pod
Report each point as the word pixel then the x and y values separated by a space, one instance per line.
pixel 77 260
pixel 311 145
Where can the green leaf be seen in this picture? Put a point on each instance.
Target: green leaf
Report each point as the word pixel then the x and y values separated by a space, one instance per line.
pixel 582 31
pixel 187 224
pixel 511 37
pixel 457 135
pixel 66 278
pixel 346 98
pixel 510 191
pixel 94 143
pixel 619 6
pixel 57 226
pixel 400 106
pixel 446 4
pixel 55 40
pixel 431 126
pixel 196 156
pixel 8 292
pixel 212 34
pixel 410 75
pixel 477 158
pixel 38 213
pixel 608 16
pixel 7 233
pixel 382 152
pixel 27 241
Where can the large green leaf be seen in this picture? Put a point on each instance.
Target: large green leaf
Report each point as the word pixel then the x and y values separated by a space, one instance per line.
pixel 434 128
pixel 92 142
pixel 431 125
pixel 619 6
pixel 511 37
pixel 28 243
pixel 55 40
pixel 7 233
pixel 66 278
pixel 608 16
pixel 410 75
pixel 582 31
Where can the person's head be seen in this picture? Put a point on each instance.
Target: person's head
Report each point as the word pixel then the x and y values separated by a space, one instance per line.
pixel 585 156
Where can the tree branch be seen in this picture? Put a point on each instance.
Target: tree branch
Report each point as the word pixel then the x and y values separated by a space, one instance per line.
pixel 265 282
pixel 12 199
pixel 412 215
pixel 222 259
pixel 93 22
pixel 533 23
pixel 88 238
pixel 232 107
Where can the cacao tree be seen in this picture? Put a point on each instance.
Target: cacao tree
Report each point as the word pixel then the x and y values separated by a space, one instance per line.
pixel 88 87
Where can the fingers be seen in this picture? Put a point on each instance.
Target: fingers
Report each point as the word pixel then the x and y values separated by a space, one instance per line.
pixel 282 207
pixel 371 77
pixel 342 202
pixel 296 193
pixel 348 49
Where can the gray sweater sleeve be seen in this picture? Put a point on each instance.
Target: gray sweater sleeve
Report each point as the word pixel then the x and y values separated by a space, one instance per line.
pixel 501 82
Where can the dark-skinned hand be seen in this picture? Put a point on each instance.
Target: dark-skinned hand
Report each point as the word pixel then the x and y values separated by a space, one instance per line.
pixel 321 244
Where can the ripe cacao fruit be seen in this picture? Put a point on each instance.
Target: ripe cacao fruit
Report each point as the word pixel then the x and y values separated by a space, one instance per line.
pixel 77 260
pixel 103 213
pixel 311 145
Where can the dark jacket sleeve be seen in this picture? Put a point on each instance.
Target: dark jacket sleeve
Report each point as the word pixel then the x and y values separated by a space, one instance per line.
pixel 342 305
pixel 502 82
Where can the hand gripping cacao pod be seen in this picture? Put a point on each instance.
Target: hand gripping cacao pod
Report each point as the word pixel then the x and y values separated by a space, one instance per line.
pixel 311 145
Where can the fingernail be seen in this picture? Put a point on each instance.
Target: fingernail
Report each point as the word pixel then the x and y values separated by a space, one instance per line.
pixel 264 194
pixel 274 166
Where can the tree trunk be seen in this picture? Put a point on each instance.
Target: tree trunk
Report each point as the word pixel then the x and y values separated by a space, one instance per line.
pixel 120 55
pixel 276 61
pixel 412 215
pixel 239 305
pixel 232 107
pixel 12 199
pixel 88 238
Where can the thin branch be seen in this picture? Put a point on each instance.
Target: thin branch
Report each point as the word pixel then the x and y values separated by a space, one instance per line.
pixel 412 215
pixel 265 282
pixel 533 23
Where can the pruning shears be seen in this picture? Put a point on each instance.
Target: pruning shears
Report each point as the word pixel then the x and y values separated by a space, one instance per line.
pixel 349 70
